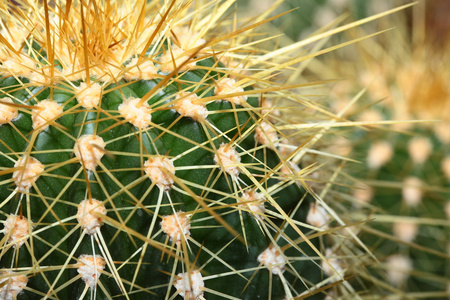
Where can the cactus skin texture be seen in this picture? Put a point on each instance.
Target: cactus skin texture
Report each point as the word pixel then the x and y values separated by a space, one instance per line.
pixel 100 200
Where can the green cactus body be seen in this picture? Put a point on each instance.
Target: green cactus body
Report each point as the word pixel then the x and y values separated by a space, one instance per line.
pixel 188 190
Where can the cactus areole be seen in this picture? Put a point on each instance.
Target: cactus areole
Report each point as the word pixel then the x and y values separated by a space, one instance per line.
pixel 112 120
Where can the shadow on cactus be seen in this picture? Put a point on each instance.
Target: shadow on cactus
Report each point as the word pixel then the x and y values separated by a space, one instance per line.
pixel 137 161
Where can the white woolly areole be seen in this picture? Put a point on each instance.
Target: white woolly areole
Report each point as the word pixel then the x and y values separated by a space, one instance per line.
pixel 11 285
pixel 29 170
pixel 173 59
pixel 21 66
pixel 265 134
pixel 145 70
pixel 190 285
pixel 317 216
pixel 44 113
pixel 273 259
pixel 228 158
pixel 398 269
pixel 335 268
pixel 73 71
pixel 225 86
pixel 85 215
pixel 7 112
pixel 256 205
pixel 405 231
pixel 290 169
pixel 412 193
pixel 185 105
pixel 89 149
pixel 90 268
pixel 268 110
pixel 136 113
pixel 379 154
pixel 445 166
pixel 158 169
pixel 43 76
pixel 176 225
pixel 89 96
pixel 419 149
pixel 16 227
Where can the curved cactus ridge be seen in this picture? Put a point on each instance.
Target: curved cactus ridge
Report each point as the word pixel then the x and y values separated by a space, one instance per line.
pixel 137 162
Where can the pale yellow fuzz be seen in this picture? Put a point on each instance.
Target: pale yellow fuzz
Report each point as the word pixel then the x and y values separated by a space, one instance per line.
pixel 419 149
pixel 44 113
pixel 108 72
pixel 398 269
pixel 412 192
pixel 176 225
pixel 158 169
pixel 28 171
pixel 73 71
pixel 175 58
pixel 7 112
pixel 379 154
pixel 228 158
pixel 16 35
pixel 90 267
pixel 236 67
pixel 405 231
pixel 255 203
pixel 318 216
pixel 188 39
pixel 20 65
pixel 185 105
pixel 16 227
pixel 145 70
pixel 265 134
pixel 147 32
pixel 225 86
pixel 137 114
pixel 86 215
pixel 43 76
pixel 89 149
pixel 11 285
pixel 273 259
pixel 190 291
pixel 89 96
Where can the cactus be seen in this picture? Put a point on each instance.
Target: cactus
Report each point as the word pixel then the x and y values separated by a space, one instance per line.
pixel 403 182
pixel 137 162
